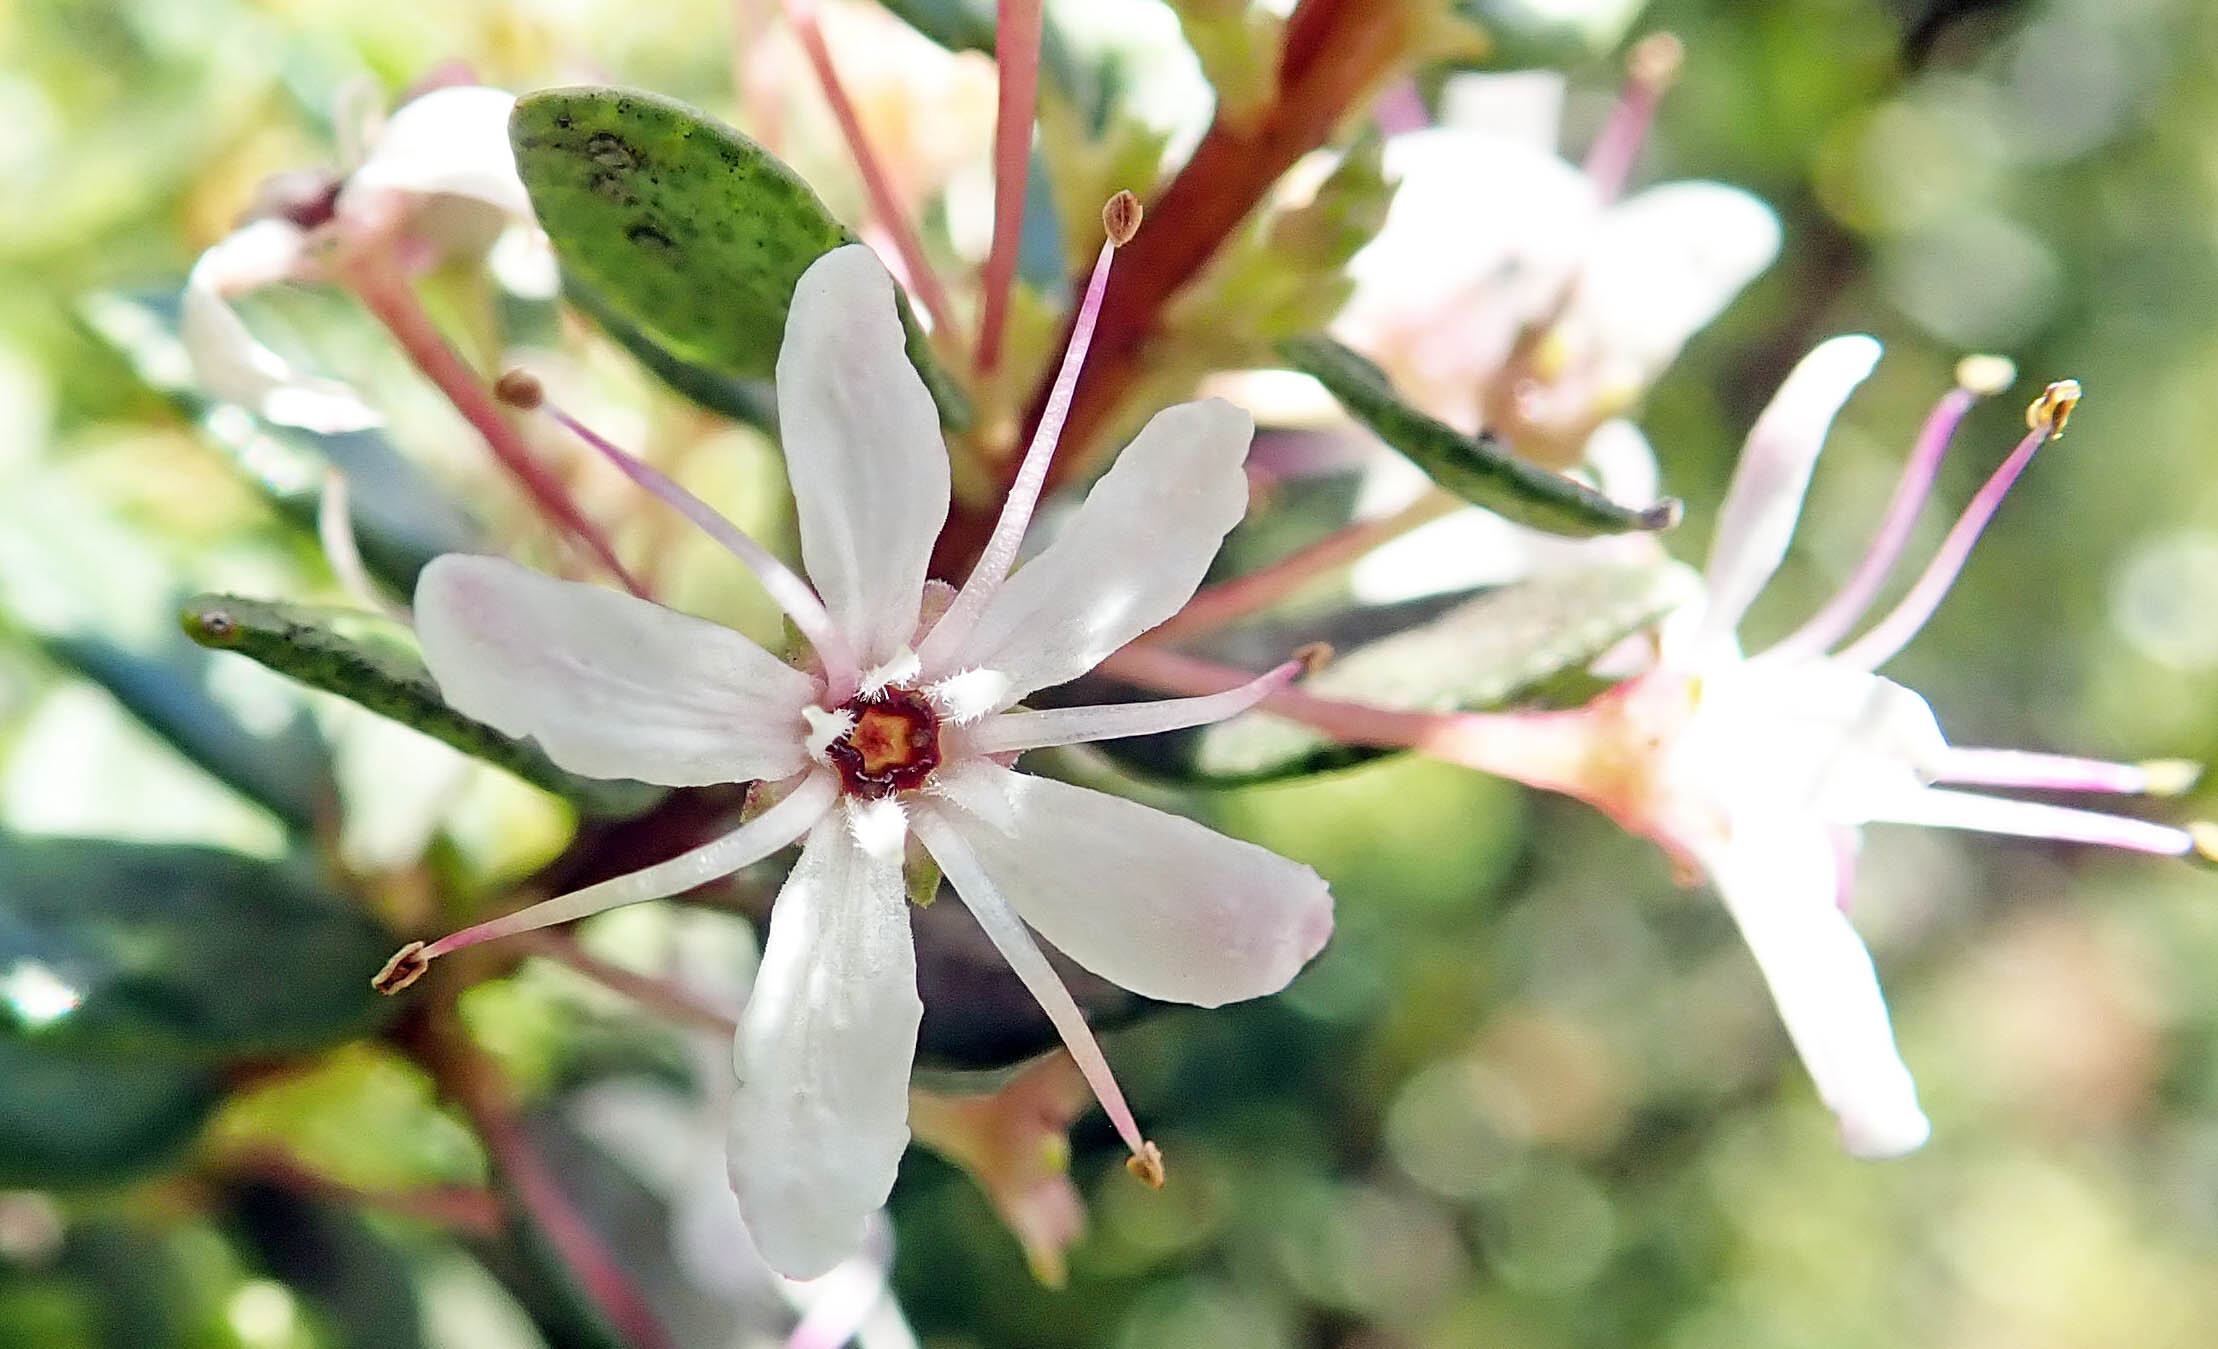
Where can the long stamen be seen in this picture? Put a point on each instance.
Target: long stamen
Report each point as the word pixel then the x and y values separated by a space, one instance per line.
pixel 1651 68
pixel 792 594
pixel 744 846
pixel 1880 645
pixel 1015 732
pixel 2063 772
pixel 1120 218
pixel 1009 936
pixel 876 183
pixel 1016 49
pixel 1976 376
pixel 2038 819
pixel 335 532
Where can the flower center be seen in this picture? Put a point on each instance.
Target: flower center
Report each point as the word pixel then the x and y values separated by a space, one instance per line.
pixel 894 746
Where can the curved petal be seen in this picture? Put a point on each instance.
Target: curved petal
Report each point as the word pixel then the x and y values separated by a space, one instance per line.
pixel 1780 878
pixel 609 685
pixel 451 141
pixel 1131 556
pixel 1758 518
pixel 1150 901
pixel 228 363
pixel 863 451
pixel 1664 263
pixel 821 1113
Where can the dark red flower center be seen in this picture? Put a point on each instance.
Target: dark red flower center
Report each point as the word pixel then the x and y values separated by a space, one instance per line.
pixel 894 746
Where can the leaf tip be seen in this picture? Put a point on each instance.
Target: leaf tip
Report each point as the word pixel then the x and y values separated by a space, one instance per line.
pixel 209 623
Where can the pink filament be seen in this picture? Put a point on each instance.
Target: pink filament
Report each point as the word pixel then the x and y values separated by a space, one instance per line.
pixel 1017 57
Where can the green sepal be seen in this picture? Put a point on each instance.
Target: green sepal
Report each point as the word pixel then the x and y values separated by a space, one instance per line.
pixel 1475 468
pixel 345 653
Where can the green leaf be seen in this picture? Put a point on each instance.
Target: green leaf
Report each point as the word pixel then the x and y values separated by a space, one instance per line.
pixel 287 771
pixel 385 675
pixel 69 1120
pixel 753 401
pixel 181 949
pixel 401 518
pixel 1474 468
pixel 682 228
pixel 346 1268
pixel 1477 655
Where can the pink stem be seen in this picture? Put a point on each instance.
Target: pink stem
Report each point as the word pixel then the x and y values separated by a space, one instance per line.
pixel 1652 66
pixel 1017 58
pixel 759 79
pixel 1880 645
pixel 386 293
pixel 1911 492
pixel 891 214
pixel 657 995
pixel 2062 772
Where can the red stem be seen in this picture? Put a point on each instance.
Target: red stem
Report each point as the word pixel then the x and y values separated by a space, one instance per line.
pixel 1017 62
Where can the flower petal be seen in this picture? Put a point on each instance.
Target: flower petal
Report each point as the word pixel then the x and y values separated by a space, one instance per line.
pixel 1150 901
pixel 1130 557
pixel 1780 878
pixel 863 451
pixel 1758 518
pixel 820 1115
pixel 228 363
pixel 1664 263
pixel 452 142
pixel 611 686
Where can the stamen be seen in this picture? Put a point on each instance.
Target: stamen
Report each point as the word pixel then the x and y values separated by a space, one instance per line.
pixel 744 846
pixel 1120 219
pixel 2060 772
pixel 335 531
pixel 1015 732
pixel 792 594
pixel 1016 48
pixel 1880 645
pixel 1010 937
pixel 1937 808
pixel 1651 68
pixel 1976 375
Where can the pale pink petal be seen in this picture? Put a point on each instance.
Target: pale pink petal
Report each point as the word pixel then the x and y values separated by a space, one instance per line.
pixel 863 451
pixel 1015 732
pixel 1150 901
pixel 1758 518
pixel 609 685
pixel 1663 264
pixel 230 364
pixel 450 142
pixel 820 1115
pixel 1779 877
pixel 1129 558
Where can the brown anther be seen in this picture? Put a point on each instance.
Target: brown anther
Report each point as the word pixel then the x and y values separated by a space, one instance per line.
pixel 406 967
pixel 1120 218
pixel 1314 656
pixel 519 389
pixel 2054 407
pixel 1655 60
pixel 1147 1164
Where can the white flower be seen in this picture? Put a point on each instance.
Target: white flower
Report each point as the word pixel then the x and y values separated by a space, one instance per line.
pixel 1758 770
pixel 905 731
pixel 440 166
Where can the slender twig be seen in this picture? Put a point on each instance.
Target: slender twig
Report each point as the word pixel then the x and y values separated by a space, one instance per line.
pixel 1016 51
pixel 385 291
pixel 467 1209
pixel 657 995
pixel 757 76
pixel 801 14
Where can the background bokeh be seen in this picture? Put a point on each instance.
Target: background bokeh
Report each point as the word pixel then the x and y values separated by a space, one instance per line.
pixel 1534 1093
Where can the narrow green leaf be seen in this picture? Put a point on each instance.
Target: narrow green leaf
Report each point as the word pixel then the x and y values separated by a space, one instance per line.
pixel 401 518
pixel 190 950
pixel 1474 468
pixel 688 232
pixel 69 1119
pixel 322 649
pixel 351 1272
pixel 753 401
pixel 1477 655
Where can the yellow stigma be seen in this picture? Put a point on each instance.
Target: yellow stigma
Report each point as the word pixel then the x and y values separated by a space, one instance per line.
pixel 2169 777
pixel 2054 407
pixel 1986 375
pixel 2205 835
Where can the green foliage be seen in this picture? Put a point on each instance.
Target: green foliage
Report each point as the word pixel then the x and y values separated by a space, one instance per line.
pixel 69 1118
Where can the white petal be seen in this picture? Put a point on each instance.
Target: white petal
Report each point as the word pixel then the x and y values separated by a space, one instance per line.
pixel 1758 518
pixel 611 686
pixel 1780 879
pixel 1815 736
pixel 1523 105
pixel 821 1113
pixel 451 141
pixel 1149 901
pixel 863 451
pixel 1130 557
pixel 228 363
pixel 1663 264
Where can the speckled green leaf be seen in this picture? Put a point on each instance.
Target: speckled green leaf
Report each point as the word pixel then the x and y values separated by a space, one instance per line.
pixel 1477 655
pixel 71 1119
pixel 190 950
pixel 743 399
pixel 346 654
pixel 682 228
pixel 1474 468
